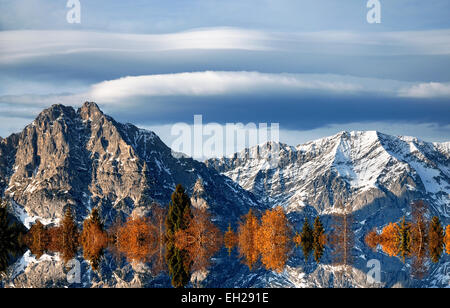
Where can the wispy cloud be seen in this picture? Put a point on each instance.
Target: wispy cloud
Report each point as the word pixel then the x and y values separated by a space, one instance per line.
pixel 20 45
pixel 427 90
pixel 25 44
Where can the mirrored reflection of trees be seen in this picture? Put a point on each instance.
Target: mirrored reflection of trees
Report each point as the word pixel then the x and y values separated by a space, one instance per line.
pixel 342 238
pixel 247 233
pixel 181 239
pixel 177 219
pixel 270 239
pixel 200 239
pixel 319 239
pixel 64 238
pixel 273 239
pixel 266 239
pixel 419 239
pixel 230 239
pixel 11 234
pixel 311 239
pixel 140 239
pixel 306 239
pixel 94 239
pixel 135 239
pixel 157 219
pixel 436 239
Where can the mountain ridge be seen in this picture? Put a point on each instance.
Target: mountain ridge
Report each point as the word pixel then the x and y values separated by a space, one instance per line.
pixel 355 168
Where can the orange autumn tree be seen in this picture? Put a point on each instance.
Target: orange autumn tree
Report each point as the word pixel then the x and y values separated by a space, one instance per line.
pixel 248 232
pixel 93 239
pixel 37 239
pixel 230 239
pixel 389 239
pixel 272 240
pixel 372 239
pixel 135 238
pixel 65 237
pixel 297 239
pixel 435 239
pixel 201 239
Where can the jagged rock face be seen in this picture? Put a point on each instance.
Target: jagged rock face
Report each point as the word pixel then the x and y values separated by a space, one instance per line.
pixel 198 198
pixel 7 154
pixel 358 169
pixel 83 158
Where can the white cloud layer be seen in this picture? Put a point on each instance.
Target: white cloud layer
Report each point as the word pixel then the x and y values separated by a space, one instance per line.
pixel 231 83
pixel 215 83
pixel 132 89
pixel 427 90
pixel 19 45
pixel 25 44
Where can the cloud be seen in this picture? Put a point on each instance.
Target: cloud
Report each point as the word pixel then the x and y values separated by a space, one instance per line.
pixel 211 83
pixel 300 101
pixel 25 44
pixel 217 83
pixel 46 61
pixel 427 90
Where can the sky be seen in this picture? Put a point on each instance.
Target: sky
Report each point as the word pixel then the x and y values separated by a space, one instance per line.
pixel 315 67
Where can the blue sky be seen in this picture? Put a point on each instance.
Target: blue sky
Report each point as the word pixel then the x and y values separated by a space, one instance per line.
pixel 316 67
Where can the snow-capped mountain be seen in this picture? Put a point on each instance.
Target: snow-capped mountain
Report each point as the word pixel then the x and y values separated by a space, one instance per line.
pixel 355 168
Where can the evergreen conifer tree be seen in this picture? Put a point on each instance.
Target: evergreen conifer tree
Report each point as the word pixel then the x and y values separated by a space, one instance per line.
pixel 318 239
pixel 307 239
pixel 177 218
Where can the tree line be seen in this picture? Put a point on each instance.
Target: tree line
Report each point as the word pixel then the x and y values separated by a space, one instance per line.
pixel 420 238
pixel 181 239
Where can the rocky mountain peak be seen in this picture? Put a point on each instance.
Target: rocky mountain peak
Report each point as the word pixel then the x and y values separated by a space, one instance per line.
pixel 90 111
pixel 54 113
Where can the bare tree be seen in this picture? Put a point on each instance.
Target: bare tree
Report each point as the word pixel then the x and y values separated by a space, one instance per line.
pixel 342 238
